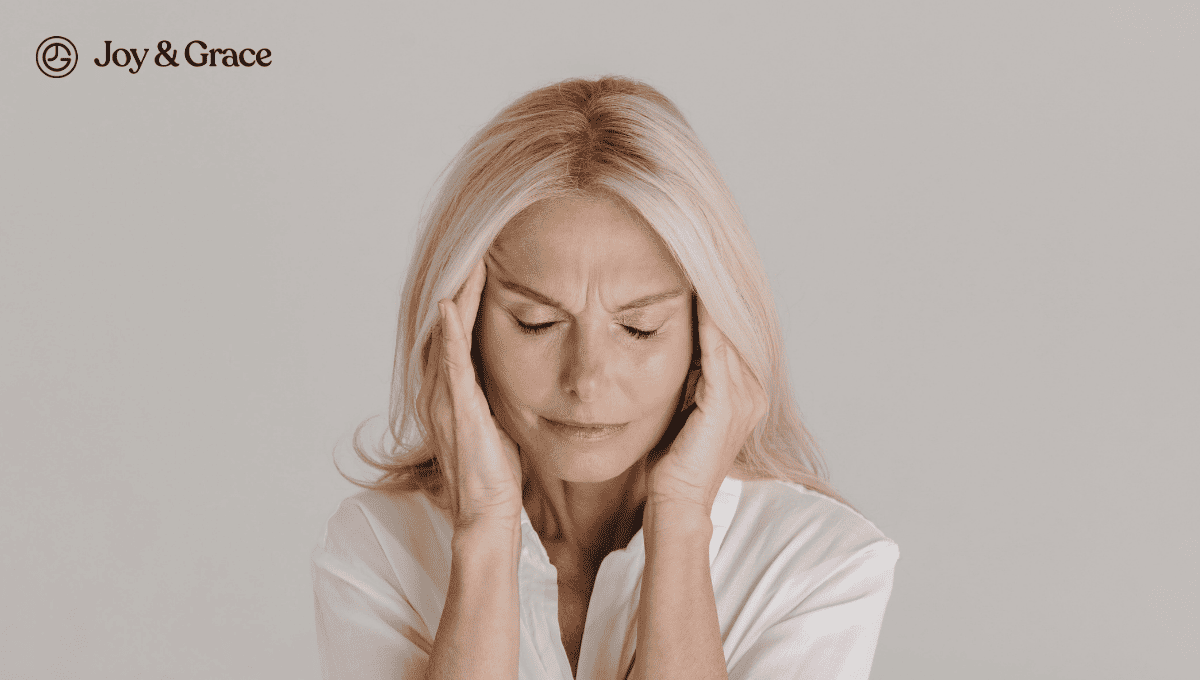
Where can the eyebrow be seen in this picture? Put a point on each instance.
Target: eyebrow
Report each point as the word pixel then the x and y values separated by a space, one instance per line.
pixel 644 301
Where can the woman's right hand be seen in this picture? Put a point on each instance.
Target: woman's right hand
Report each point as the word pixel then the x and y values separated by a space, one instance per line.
pixel 479 461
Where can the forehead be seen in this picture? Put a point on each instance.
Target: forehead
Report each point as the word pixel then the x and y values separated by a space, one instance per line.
pixel 585 240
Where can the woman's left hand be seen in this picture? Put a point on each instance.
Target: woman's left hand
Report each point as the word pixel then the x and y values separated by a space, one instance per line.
pixel 729 405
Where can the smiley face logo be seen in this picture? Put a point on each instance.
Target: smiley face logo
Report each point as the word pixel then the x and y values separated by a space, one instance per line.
pixel 57 56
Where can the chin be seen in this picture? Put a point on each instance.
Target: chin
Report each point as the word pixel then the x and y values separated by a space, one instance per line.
pixel 584 461
pixel 590 467
pixel 583 453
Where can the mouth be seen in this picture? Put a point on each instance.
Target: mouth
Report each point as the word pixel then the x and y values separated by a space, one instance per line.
pixel 588 432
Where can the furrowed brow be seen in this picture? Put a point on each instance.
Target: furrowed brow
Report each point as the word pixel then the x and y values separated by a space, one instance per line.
pixel 644 301
pixel 529 293
pixel 648 300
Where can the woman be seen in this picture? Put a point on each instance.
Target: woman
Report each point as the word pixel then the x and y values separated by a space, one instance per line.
pixel 598 470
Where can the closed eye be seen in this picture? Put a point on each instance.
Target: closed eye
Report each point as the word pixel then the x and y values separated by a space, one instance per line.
pixel 539 328
pixel 534 328
pixel 639 333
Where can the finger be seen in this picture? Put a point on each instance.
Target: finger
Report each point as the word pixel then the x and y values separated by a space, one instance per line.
pixel 739 373
pixel 460 373
pixel 434 398
pixel 467 299
pixel 447 403
pixel 723 371
pixel 451 335
pixel 444 431
pixel 732 378
pixel 742 385
pixel 712 348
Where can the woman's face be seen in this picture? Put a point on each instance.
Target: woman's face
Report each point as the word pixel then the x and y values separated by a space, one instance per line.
pixel 585 337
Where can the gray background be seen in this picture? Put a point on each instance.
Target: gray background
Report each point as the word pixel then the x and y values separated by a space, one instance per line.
pixel 980 221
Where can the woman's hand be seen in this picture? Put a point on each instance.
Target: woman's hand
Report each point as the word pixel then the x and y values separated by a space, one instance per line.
pixel 479 631
pixel 729 405
pixel 479 460
pixel 679 633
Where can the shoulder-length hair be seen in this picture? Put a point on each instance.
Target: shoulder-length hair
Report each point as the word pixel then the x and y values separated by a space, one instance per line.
pixel 614 137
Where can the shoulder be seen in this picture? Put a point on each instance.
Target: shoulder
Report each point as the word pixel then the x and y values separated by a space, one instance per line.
pixel 803 586
pixel 390 534
pixel 772 501
pixel 378 585
pixel 807 531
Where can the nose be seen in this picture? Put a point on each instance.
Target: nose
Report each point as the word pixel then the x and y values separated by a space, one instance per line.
pixel 586 363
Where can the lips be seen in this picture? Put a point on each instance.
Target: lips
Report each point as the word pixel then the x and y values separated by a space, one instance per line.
pixel 589 432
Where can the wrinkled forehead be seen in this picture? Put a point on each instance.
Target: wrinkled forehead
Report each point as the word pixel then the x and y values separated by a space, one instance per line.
pixel 578 239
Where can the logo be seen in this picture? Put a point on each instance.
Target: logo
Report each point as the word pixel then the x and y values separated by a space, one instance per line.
pixel 196 53
pixel 57 56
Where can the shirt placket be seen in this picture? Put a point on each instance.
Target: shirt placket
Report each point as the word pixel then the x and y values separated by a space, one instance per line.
pixel 542 655
pixel 610 630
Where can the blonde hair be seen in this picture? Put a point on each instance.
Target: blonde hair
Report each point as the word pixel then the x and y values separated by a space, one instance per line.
pixel 610 137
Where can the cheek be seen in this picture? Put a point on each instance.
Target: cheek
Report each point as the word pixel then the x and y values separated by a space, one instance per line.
pixel 657 375
pixel 511 371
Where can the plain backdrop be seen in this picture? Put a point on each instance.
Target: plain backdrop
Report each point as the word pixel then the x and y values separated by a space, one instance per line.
pixel 980 220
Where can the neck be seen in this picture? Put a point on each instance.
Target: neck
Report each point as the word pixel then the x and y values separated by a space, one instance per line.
pixel 590 519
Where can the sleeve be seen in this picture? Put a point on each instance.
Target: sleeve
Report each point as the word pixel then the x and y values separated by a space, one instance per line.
pixel 366 628
pixel 831 634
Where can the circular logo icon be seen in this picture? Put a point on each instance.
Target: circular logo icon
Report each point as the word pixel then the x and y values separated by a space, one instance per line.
pixel 57 56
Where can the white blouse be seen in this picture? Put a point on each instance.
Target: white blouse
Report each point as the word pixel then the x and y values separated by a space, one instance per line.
pixel 801 583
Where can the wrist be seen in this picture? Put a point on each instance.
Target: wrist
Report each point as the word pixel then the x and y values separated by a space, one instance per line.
pixel 494 517
pixel 488 538
pixel 669 491
pixel 677 519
